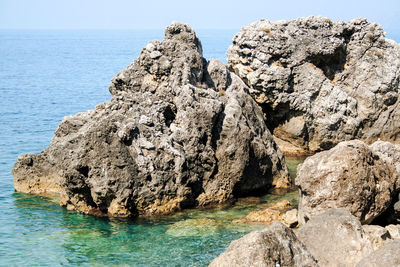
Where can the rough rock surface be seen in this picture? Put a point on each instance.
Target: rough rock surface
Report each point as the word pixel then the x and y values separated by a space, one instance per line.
pixel 387 255
pixel 178 132
pixel 274 246
pixel 321 82
pixel 394 230
pixel 335 238
pixel 349 176
pixel 376 234
pixel 282 211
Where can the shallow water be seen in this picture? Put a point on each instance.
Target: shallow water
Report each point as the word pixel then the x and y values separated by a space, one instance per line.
pixel 46 234
pixel 46 75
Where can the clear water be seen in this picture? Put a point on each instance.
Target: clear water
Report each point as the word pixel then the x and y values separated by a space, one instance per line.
pixel 46 75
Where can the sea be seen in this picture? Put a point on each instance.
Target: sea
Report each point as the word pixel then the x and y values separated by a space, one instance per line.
pixel 48 74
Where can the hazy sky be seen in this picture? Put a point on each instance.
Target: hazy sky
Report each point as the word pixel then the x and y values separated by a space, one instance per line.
pixel 206 14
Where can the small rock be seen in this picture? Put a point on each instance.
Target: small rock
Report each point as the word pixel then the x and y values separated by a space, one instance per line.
pixel 274 212
pixel 387 255
pixel 155 54
pixel 378 235
pixel 276 245
pixel 289 218
pixel 394 230
pixel 335 238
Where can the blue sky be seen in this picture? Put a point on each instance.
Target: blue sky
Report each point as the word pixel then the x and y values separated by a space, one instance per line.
pixel 206 14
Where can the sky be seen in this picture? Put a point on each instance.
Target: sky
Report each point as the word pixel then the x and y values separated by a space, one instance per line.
pixel 205 14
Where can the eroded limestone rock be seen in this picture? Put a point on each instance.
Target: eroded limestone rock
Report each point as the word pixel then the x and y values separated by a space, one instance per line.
pixel 282 211
pixel 321 82
pixel 349 176
pixel 276 245
pixel 377 235
pixel 335 238
pixel 387 255
pixel 178 132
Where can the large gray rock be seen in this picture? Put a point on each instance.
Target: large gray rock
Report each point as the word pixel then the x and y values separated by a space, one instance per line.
pixel 387 255
pixel 335 238
pixel 178 132
pixel 349 176
pixel 321 82
pixel 274 246
pixel 391 154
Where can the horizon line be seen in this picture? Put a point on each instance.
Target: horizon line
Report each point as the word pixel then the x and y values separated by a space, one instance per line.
pixel 111 29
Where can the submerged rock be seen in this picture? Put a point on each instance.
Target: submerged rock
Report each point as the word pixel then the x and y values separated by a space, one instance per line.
pixel 276 245
pixel 281 211
pixel 195 227
pixel 335 238
pixel 349 176
pixel 321 82
pixel 178 132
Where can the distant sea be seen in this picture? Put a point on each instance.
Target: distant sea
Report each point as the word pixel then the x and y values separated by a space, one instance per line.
pixel 46 75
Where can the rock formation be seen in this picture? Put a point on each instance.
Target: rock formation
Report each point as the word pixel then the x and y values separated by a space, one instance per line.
pixel 349 176
pixel 321 82
pixel 332 238
pixel 387 255
pixel 376 234
pixel 178 132
pixel 274 246
pixel 335 238
pixel 282 211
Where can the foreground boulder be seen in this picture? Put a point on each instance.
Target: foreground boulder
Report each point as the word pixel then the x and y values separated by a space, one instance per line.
pixel 178 132
pixel 349 176
pixel 321 82
pixel 335 238
pixel 274 246
pixel 387 255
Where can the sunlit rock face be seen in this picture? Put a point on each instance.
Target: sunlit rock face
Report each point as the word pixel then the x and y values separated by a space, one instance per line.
pixel 321 82
pixel 354 176
pixel 178 132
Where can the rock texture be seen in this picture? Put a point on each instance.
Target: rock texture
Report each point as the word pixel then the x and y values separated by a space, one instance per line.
pixel 376 234
pixel 388 255
pixel 394 230
pixel 282 211
pixel 321 82
pixel 349 176
pixel 335 238
pixel 178 132
pixel 274 246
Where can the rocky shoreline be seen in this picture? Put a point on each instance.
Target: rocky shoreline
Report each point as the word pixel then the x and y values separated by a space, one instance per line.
pixel 179 132
pixel 182 132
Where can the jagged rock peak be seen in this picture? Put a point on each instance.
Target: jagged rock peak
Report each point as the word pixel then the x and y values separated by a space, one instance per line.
pixel 321 82
pixel 175 61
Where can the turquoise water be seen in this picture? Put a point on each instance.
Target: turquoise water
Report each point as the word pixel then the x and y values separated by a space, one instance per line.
pixel 46 75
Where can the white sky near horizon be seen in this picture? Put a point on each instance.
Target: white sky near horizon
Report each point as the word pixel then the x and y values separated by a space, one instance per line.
pixel 206 14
